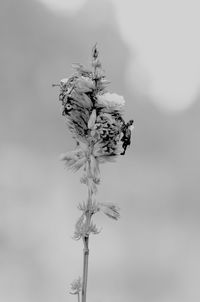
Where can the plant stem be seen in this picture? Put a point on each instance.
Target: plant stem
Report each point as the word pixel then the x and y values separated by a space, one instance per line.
pixel 85 267
pixel 88 216
pixel 86 243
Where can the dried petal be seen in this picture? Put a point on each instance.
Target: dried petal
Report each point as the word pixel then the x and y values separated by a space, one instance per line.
pixel 104 159
pixel 92 119
pixel 82 70
pixel 111 100
pixel 84 84
pixel 76 286
pixel 93 229
pixel 74 160
pixel 79 228
pixel 82 206
pixel 110 209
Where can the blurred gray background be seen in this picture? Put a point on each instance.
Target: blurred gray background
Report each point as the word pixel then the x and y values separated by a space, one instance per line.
pixel 149 50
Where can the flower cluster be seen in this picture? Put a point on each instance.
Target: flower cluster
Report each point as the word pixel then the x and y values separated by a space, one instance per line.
pixel 76 286
pixel 94 117
pixel 83 228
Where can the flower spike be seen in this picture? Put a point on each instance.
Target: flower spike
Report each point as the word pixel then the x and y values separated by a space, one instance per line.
pixel 94 117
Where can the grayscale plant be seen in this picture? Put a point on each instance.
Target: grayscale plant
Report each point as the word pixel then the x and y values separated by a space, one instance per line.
pixel 94 118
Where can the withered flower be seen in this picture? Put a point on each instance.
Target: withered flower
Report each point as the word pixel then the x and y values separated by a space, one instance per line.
pixel 94 117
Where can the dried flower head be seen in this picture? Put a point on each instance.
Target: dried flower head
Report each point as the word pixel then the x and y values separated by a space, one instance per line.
pixel 94 117
pixel 83 229
pixel 76 286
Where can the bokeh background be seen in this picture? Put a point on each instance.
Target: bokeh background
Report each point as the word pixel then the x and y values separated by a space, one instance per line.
pixel 150 51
